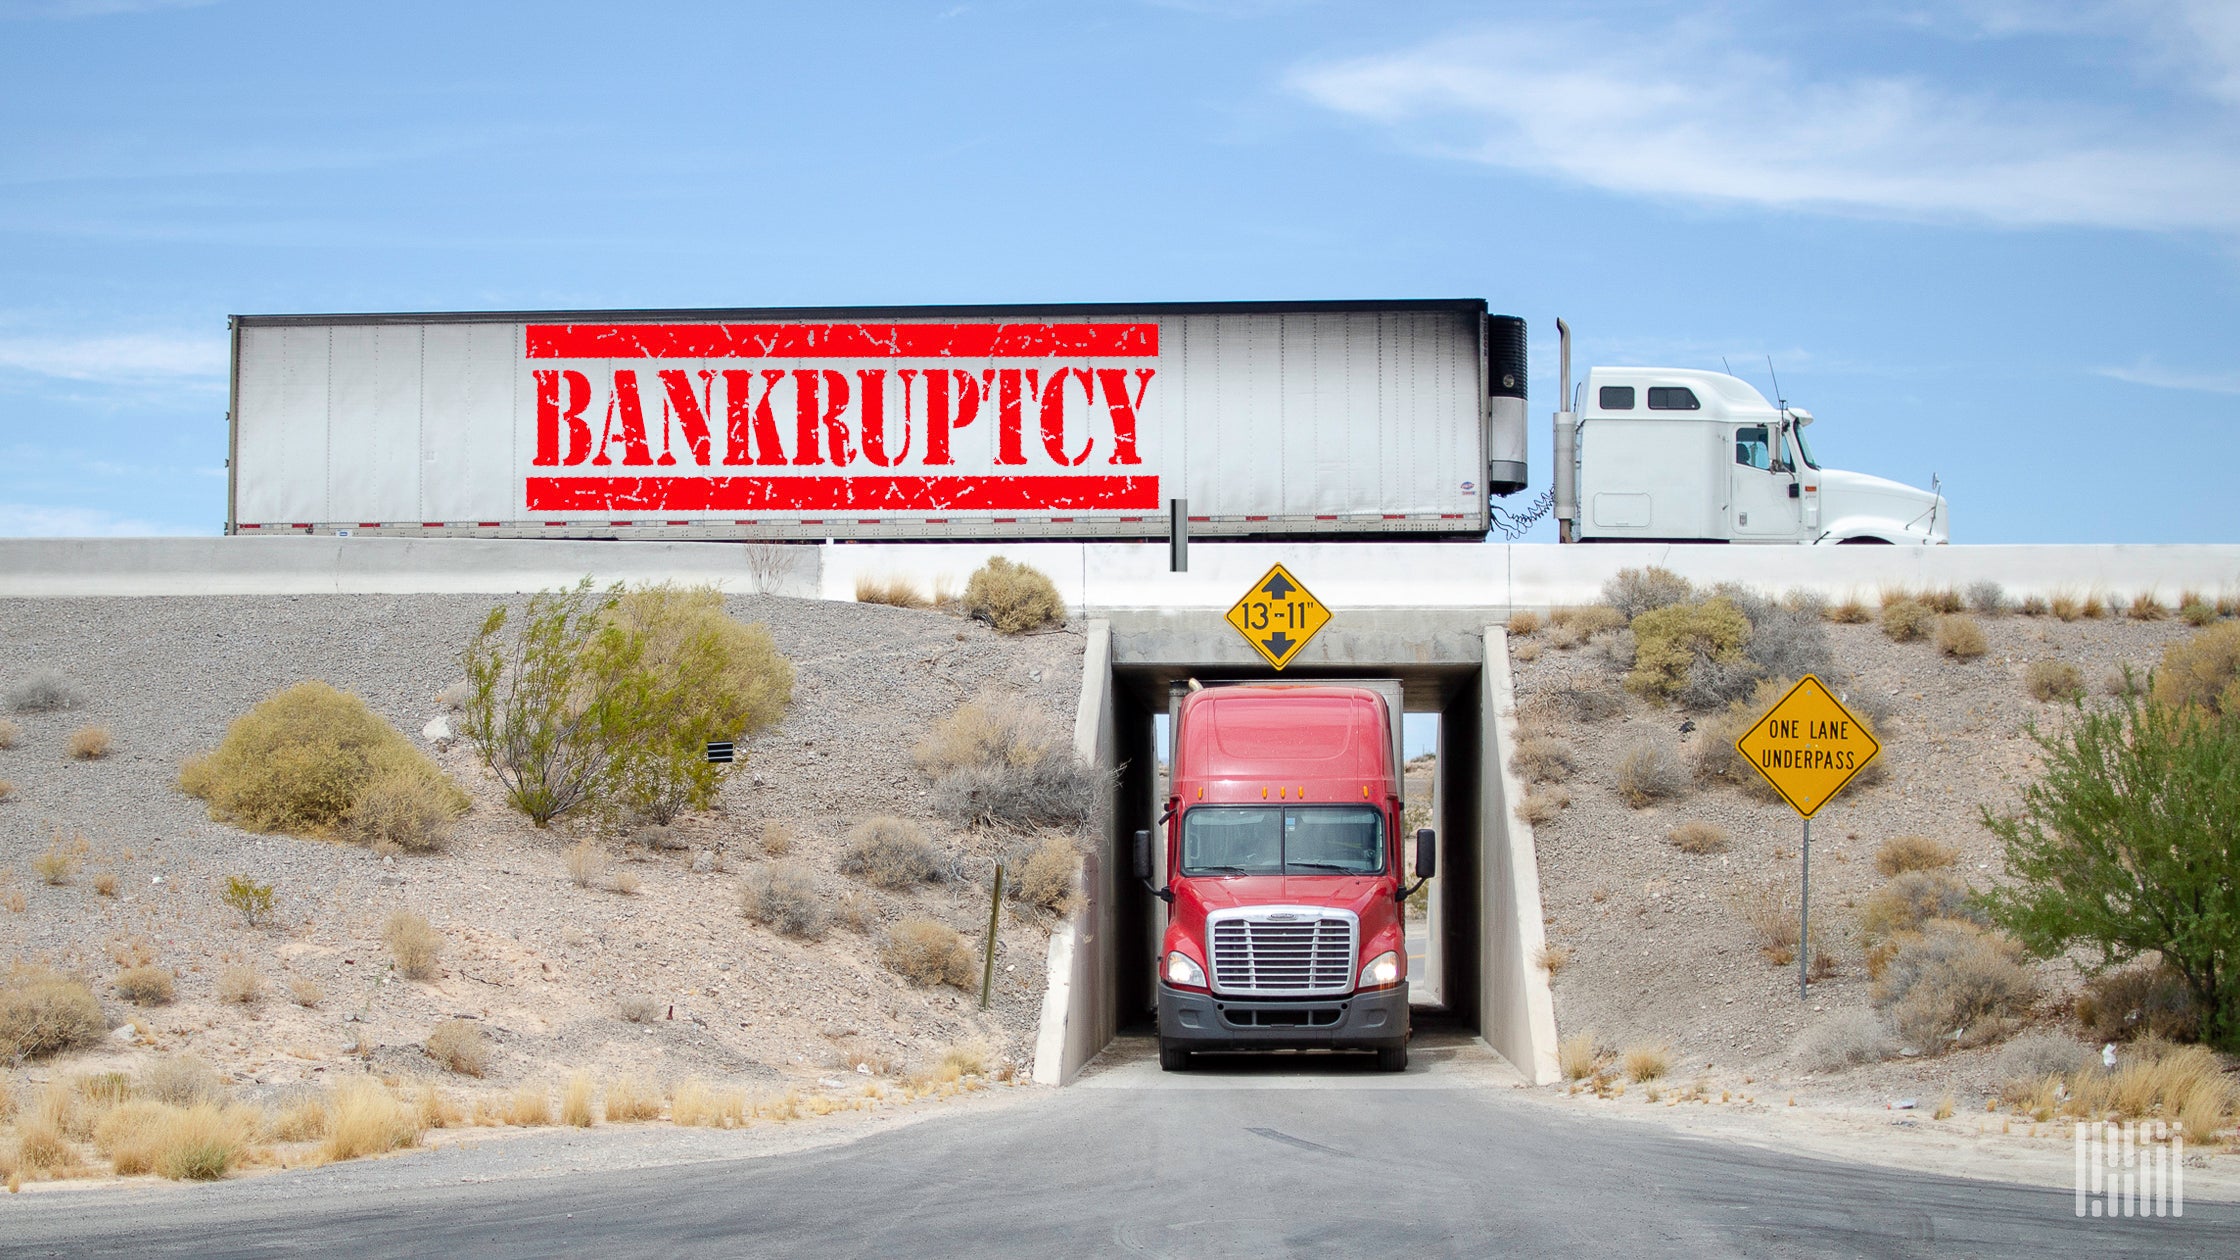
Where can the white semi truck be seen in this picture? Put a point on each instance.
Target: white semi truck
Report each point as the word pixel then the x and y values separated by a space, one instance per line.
pixel 1683 455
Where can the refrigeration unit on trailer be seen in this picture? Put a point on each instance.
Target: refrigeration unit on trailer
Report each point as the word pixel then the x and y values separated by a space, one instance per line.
pixel 1271 420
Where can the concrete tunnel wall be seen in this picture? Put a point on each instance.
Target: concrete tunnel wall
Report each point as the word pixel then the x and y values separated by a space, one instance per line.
pixel 1490 920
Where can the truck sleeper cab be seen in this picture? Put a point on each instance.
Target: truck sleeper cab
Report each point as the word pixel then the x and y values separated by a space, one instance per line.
pixel 1285 879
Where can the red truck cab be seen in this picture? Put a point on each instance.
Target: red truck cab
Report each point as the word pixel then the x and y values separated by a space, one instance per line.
pixel 1285 875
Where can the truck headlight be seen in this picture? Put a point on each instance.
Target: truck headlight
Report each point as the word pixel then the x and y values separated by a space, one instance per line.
pixel 1184 970
pixel 1382 972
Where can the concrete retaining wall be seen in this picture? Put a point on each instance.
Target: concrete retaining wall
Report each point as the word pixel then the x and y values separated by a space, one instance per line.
pixel 1080 1012
pixel 1516 1007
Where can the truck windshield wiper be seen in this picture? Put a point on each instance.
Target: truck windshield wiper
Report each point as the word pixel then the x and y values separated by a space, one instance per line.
pixel 1328 866
pixel 1222 870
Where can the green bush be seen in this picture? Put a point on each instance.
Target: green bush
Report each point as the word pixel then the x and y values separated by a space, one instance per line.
pixel 1669 640
pixel 300 761
pixel 2203 670
pixel 719 679
pixel 2125 843
pixel 252 899
pixel 1012 597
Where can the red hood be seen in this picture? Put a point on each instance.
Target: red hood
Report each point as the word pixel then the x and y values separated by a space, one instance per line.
pixel 1337 892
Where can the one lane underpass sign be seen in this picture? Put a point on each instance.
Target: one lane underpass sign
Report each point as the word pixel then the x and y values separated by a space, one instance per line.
pixel 1808 746
pixel 1277 616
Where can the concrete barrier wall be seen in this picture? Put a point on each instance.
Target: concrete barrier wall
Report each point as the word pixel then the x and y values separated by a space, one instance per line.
pixel 1516 1007
pixel 1080 1010
pixel 1093 577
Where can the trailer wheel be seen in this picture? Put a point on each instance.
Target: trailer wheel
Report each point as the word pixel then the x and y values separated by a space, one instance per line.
pixel 1173 1058
pixel 1393 1058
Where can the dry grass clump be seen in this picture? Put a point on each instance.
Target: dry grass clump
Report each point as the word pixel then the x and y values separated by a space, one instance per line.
pixel 416 946
pixel 181 1081
pixel 306 993
pixel 403 811
pixel 783 897
pixel 927 952
pixel 625 1101
pixel 300 761
pixel 1911 899
pixel 2183 1086
pixel 1005 765
pixel 2145 607
pixel 891 853
pixel 460 1046
pixel 59 864
pixel 2143 1000
pixel 7 790
pixel 1900 854
pixel 638 1009
pixel 1959 637
pixel 88 743
pixel 985 732
pixel 198 1142
pixel 2066 605
pixel 895 592
pixel 777 839
pixel 1906 620
pixel 104 882
pixel 43 691
pixel 1852 611
pixel 855 910
pixel 1525 652
pixel 528 1106
pixel 1699 838
pixel 240 984
pixel 1578 1056
pixel 1649 772
pixel 1046 878
pixel 1584 621
pixel 1648 1062
pixel 1523 623
pixel 1845 1039
pixel 700 1105
pixel 44 1011
pixel 1768 908
pixel 11 734
pixel 2203 669
pixel 2048 681
pixel 1544 759
pixel 1541 805
pixel 587 863
pixel 1553 959
pixel 2033 606
pixel 2196 613
pixel 365 1119
pixel 1014 598
pixel 1954 984
pixel 575 1102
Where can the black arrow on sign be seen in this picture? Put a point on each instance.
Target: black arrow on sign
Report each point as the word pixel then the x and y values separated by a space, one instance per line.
pixel 1277 588
pixel 1278 643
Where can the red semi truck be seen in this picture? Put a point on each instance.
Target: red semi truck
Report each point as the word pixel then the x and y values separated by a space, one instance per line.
pixel 1284 875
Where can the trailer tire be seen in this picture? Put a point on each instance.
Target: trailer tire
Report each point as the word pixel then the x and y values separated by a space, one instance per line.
pixel 1173 1058
pixel 1393 1058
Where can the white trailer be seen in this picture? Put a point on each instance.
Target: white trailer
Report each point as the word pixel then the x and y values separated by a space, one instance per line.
pixel 1270 420
pixel 1682 455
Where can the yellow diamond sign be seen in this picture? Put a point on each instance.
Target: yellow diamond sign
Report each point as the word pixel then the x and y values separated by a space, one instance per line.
pixel 1808 746
pixel 1277 616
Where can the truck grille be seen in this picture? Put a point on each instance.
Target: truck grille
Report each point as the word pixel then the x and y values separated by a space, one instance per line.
pixel 1276 951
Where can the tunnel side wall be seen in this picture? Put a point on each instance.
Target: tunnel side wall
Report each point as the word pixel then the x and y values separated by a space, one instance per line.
pixel 1080 1010
pixel 1516 1008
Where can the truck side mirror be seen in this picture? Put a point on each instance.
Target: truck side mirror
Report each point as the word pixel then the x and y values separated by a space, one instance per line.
pixel 1143 856
pixel 1427 854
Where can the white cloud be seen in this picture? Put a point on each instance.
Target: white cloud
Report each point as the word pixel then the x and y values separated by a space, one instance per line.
pixel 132 357
pixel 1691 114
pixel 2148 372
pixel 33 520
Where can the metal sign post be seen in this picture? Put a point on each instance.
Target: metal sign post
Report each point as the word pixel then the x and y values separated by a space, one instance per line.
pixel 1808 746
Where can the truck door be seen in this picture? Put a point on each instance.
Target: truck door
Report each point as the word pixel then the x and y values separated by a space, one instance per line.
pixel 1760 506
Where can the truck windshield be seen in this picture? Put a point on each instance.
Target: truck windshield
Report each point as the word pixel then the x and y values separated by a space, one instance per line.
pixel 1804 448
pixel 1275 840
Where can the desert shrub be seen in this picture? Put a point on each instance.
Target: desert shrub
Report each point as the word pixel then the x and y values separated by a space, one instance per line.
pixel 2033 606
pixel 855 910
pixel 2036 1055
pixel 306 993
pixel 198 1143
pixel 1945 600
pixel 783 897
pixel 300 759
pixel 1671 639
pixel 240 984
pixel 180 1081
pixel 1852 611
pixel 2145 999
pixel 2124 843
pixel 146 985
pixel 1959 637
pixel 2066 605
pixel 42 691
pixel 926 952
pixel 1055 790
pixel 1544 759
pixel 1845 1039
pixel 1912 899
pixel 43 1011
pixel 1013 598
pixel 575 1102
pixel 403 811
pixel 365 1119
pixel 777 839
pixel 1988 599
pixel 1525 652
pixel 625 1100
pixel 125 1135
pixel 460 1046
pixel 985 732
pixel 104 883
pixel 895 592
pixel 1905 620
pixel 253 900
pixel 1698 838
pixel 1046 878
pixel 1636 591
pixel 890 853
pixel 2203 669
pixel 88 743
pixel 1900 854
pixel 706 678
pixel 1584 621
pixel 1768 908
pixel 1648 1062
pixel 1541 805
pixel 587 863
pixel 2053 680
pixel 2196 614
pixel 1523 623
pixel 7 790
pixel 416 946
pixel 2145 607
pixel 11 734
pixel 637 1008
pixel 59 864
pixel 1649 772
pixel 1954 984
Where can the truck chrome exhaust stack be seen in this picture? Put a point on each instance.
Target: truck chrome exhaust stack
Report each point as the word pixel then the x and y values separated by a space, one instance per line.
pixel 1566 445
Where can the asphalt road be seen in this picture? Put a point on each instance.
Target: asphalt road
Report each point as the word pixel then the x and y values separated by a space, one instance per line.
pixel 1297 1158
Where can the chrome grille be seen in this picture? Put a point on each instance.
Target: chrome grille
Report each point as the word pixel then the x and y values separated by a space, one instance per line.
pixel 1275 951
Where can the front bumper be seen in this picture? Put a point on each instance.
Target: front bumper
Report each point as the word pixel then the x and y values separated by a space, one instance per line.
pixel 1360 1021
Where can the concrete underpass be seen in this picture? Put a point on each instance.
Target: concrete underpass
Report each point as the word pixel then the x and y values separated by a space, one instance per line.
pixel 1484 932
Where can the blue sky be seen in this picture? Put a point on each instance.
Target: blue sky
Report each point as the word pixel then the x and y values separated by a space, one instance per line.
pixel 1995 241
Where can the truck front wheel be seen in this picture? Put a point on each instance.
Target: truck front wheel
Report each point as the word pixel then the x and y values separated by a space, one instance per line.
pixel 1173 1058
pixel 1393 1058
